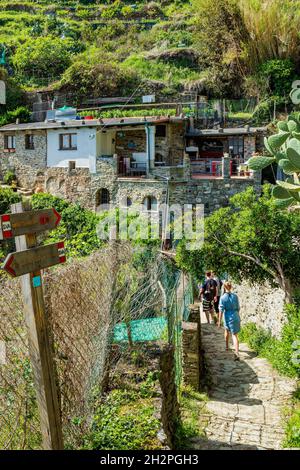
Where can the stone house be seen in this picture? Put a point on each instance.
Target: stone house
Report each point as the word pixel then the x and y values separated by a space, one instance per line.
pixel 130 160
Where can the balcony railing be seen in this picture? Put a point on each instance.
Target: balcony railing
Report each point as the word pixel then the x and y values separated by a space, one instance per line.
pixel 132 169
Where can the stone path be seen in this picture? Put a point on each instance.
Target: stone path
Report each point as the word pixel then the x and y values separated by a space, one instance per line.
pixel 246 398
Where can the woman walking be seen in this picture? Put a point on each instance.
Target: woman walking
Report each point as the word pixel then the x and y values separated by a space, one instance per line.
pixel 229 307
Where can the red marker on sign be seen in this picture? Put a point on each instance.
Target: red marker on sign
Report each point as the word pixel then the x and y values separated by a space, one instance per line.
pixel 33 260
pixel 22 223
pixel 6 226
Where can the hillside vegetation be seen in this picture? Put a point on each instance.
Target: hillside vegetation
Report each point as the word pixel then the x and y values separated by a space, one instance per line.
pixel 229 48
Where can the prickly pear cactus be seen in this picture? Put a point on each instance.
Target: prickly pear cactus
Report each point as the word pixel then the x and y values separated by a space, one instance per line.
pixel 283 148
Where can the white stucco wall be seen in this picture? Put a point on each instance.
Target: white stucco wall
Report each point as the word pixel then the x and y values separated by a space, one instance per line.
pixel 106 143
pixel 85 154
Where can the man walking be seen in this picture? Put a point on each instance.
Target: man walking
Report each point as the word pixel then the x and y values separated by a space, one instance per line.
pixel 219 289
pixel 209 295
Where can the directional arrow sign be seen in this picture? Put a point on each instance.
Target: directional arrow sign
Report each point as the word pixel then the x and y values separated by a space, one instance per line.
pixel 35 259
pixel 13 225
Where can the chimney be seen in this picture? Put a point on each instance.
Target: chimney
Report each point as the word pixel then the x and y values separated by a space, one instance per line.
pixel 18 121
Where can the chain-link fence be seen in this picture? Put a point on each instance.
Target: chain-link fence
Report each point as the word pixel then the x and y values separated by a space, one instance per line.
pixel 79 300
pixel 100 309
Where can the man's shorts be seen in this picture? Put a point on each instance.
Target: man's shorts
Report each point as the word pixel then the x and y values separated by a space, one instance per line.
pixel 208 305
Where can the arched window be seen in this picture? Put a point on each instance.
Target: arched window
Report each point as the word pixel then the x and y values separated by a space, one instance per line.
pixel 150 203
pixel 102 197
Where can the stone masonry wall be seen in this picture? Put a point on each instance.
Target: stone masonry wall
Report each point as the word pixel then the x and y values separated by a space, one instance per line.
pixel 262 305
pixel 130 142
pixel 212 193
pixel 26 163
pixel 249 146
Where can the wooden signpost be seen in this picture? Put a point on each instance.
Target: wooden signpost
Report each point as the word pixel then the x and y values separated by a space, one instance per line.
pixel 13 225
pixel 27 262
pixel 35 259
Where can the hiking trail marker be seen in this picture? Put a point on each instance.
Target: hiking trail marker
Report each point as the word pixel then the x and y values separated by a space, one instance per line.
pixel 27 262
pixel 13 225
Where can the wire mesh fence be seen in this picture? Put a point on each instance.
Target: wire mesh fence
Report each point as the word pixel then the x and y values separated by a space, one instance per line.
pixel 99 309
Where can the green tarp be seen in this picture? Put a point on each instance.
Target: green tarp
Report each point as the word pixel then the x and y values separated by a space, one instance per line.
pixel 146 329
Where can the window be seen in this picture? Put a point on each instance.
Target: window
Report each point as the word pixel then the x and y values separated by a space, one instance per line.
pixel 67 141
pixel 150 203
pixel 236 146
pixel 160 131
pixel 29 142
pixel 72 165
pixel 10 142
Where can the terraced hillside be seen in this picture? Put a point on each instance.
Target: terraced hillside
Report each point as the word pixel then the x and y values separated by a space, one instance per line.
pixel 92 48
pixel 117 44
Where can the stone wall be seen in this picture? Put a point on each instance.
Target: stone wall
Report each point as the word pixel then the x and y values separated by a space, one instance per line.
pixel 212 193
pixel 26 163
pixel 72 185
pixel 262 305
pixel 249 146
pixel 130 142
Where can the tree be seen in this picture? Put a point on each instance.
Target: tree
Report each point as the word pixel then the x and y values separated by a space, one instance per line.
pixel 46 56
pixel 220 36
pixel 251 239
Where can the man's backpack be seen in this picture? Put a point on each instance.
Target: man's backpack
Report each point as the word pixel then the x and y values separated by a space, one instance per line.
pixel 211 288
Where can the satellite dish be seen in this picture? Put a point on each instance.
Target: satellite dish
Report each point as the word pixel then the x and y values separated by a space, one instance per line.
pixel 2 92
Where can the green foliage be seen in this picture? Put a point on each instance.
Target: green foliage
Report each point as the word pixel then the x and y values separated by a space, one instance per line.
pixel 125 420
pixel 292 431
pixel 21 113
pixel 41 58
pixel 279 352
pixel 77 228
pixel 120 113
pixel 279 73
pixel 192 407
pixel 159 70
pixel 250 239
pixel 9 177
pixel 98 77
pixel 14 93
pixel 7 197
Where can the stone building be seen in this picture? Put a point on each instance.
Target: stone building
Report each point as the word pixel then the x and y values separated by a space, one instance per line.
pixel 130 161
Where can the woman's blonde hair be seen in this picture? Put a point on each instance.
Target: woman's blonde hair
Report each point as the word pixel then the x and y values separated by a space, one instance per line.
pixel 227 285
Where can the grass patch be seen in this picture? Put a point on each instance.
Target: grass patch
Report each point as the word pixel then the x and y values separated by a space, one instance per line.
pixel 192 425
pixel 125 420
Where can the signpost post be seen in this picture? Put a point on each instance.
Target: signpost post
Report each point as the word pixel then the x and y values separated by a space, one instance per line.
pixel 27 262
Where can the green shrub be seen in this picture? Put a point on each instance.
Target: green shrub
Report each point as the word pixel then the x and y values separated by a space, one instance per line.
pixel 124 421
pixel 22 113
pixel 279 352
pixel 292 430
pixel 7 197
pixel 9 177
pixel 77 227
pixel 280 74
pixel 43 57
